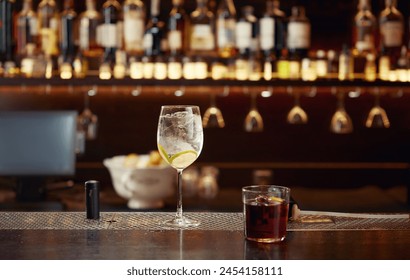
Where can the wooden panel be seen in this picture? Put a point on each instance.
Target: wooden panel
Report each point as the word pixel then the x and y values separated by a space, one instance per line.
pixel 128 124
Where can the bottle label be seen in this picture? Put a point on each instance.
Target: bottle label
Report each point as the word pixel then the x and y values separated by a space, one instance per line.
pixel 365 38
pixel 108 35
pixel 392 33
pixel 133 27
pixel 148 41
pixel 120 34
pixel 299 35
pixel 84 34
pixel 226 32
pixel 33 24
pixel 267 32
pixel 243 35
pixel 175 40
pixel 202 37
pixel 54 23
pixel 49 41
pixel 366 44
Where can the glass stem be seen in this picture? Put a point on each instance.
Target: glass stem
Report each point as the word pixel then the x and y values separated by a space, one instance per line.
pixel 179 216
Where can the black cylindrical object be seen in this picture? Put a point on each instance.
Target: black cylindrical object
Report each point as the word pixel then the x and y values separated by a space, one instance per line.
pixel 92 198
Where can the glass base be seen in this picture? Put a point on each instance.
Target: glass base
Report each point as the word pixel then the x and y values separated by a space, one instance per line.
pixel 181 223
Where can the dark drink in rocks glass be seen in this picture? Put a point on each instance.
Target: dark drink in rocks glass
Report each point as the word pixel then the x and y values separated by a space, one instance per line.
pixel 265 212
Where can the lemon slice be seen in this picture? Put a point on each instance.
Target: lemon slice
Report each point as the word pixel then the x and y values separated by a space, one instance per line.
pixel 183 159
pixel 163 153
pixel 275 199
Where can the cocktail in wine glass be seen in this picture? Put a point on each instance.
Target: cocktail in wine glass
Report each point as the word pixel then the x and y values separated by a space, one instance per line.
pixel 180 139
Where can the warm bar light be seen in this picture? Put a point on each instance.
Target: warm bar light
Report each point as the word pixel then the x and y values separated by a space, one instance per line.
pixel 283 69
pixel 201 70
pixel 148 70
pixel 384 68
pixel 160 70
pixel 321 64
pixel 66 71
pixel 80 68
pixel 255 70
pixel 119 71
pixel 392 76
pixel 401 75
pixel 27 67
pixel 370 71
pixel 294 70
pixel 49 69
pixel 174 70
pixel 267 70
pixel 309 70
pixel 241 69
pixel 136 70
pixel 10 69
pixel 219 71
pixel 105 71
pixel 189 70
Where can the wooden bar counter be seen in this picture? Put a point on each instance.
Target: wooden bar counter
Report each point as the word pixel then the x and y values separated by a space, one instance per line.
pixel 68 235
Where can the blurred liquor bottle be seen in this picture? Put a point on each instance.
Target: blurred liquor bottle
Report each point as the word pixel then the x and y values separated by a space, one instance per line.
pixel 26 29
pixel 68 33
pixel 243 34
pixel 6 31
pixel 273 29
pixel 247 31
pixel 134 26
pixel 384 64
pixel 248 64
pixel 48 25
pixel 332 64
pixel 178 27
pixel 280 28
pixel 370 69
pixel 225 29
pixel 28 45
pixel 153 36
pixel 202 31
pixel 298 35
pixel 391 23
pixel 403 66
pixel 249 15
pixel 243 37
pixel 267 30
pixel 154 43
pixel 110 30
pixel 346 64
pixel 7 63
pixel 364 33
pixel 89 21
pixel 267 39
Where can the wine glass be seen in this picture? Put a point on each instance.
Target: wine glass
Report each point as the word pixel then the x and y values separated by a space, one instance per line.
pixel 213 115
pixel 341 122
pixel 87 120
pixel 180 139
pixel 377 117
pixel 253 120
pixel 297 115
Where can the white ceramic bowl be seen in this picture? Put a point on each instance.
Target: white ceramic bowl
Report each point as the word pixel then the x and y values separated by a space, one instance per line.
pixel 144 187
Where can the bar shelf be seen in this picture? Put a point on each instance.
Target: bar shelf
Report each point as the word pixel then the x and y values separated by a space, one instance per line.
pixel 94 80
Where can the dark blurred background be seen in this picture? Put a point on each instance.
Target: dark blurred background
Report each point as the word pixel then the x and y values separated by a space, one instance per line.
pixel 128 123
